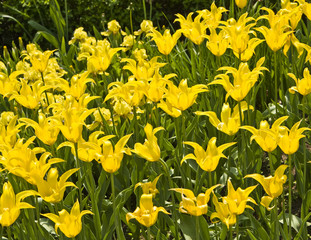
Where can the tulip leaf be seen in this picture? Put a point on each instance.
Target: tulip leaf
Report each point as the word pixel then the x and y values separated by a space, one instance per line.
pixel 187 226
pixel 257 226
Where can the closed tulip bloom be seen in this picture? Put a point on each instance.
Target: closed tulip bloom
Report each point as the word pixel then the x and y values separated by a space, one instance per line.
pixel 303 86
pixel 146 214
pixel 266 138
pixel 223 213
pixel 230 120
pixel 149 187
pixel 217 43
pixel 273 186
pixel 165 42
pixel 250 50
pixel 52 190
pixel 237 199
pixel 288 140
pixel 195 206
pixel 150 150
pixel 243 79
pixel 11 204
pixel 110 158
pixel 241 3
pixel 207 160
pixel 69 223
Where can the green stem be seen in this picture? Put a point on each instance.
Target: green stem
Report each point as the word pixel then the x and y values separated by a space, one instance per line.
pixel 79 173
pixel 275 210
pixel 290 196
pixel 197 228
pixel 9 232
pixel 116 216
pixel 145 11
pixel 230 233
pixel 165 167
pixel 275 85
pixel 271 163
pixel 241 143
pixel 237 227
pixel 304 211
pixel 148 233
pixel 46 95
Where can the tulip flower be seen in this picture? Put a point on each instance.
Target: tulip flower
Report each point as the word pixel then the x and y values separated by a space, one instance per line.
pixel 52 190
pixel 169 109
pixel 230 122
pixel 239 32
pixel 165 42
pixel 111 159
pixel 78 35
pixel 77 85
pixel 46 129
pixel 223 213
pixel 303 86
pixel 146 214
pixel 132 92
pixel 265 137
pixel 273 186
pixel 288 140
pixel 101 57
pixel 209 159
pixel 194 30
pixel 244 79
pixel 69 223
pixel 143 69
pixel 146 26
pixel 183 97
pixel 40 60
pixel 11 204
pixel 29 96
pixel 237 199
pixel 217 43
pixel 195 206
pixel 8 134
pixel 149 187
pixel 250 50
pixel 241 3
pixel 150 150
pixel 212 18
pixel 9 83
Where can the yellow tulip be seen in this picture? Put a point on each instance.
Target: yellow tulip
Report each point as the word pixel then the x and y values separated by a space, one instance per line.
pixel 150 150
pixel 8 132
pixel 52 190
pixel 22 161
pixel 46 129
pixel 111 159
pixel 288 140
pixel 266 138
pixel 78 35
pixel 165 42
pixel 207 160
pixel 239 32
pixel 237 199
pixel 29 96
pixel 195 206
pixel 146 26
pixel 169 109
pixel 131 92
pixel 9 83
pixel 223 213
pixel 149 187
pixel 146 214
pixel 230 122
pixel 77 85
pixel 273 186
pixel 217 43
pixel 243 79
pixel 303 86
pixel 101 57
pixel 212 18
pixel 241 3
pixel 11 204
pixel 40 60
pixel 194 30
pixel 113 28
pixel 250 50
pixel 69 223
pixel 183 97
